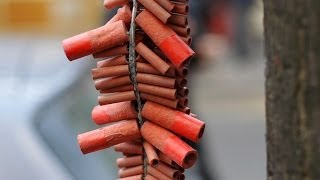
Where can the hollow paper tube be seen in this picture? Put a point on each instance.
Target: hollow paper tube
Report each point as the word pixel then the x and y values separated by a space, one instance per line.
pixel 111 71
pixel 165 38
pixel 168 170
pixel 115 51
pixel 156 80
pixel 123 14
pixel 113 112
pixel 158 91
pixel 182 72
pixel 181 82
pixel 183 92
pixel 132 171
pixel 156 10
pixel 185 110
pixel 105 37
pixel 150 177
pixel 178 20
pixel 116 97
pixel 164 158
pixel 129 161
pixel 108 136
pixel 146 68
pixel 129 148
pixel 152 58
pixel 181 31
pixel 151 153
pixel 116 61
pixel 160 100
pixel 169 144
pixel 110 4
pixel 136 177
pixel 181 8
pixel 106 83
pixel 124 88
pixel 187 40
pixel 183 101
pixel 166 4
pixel 157 174
pixel 176 121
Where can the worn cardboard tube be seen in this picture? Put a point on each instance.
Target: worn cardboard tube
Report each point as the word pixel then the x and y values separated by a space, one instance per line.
pixel 106 83
pixel 115 61
pixel 182 72
pixel 123 14
pixel 129 161
pixel 147 68
pixel 181 8
pixel 187 40
pixel 185 110
pixel 105 37
pixel 165 38
pixel 150 177
pixel 136 177
pixel 183 92
pixel 116 97
pixel 160 100
pixel 108 136
pixel 178 20
pixel 124 88
pixel 132 171
pixel 157 174
pixel 181 31
pixel 158 91
pixel 169 144
pixel 181 82
pixel 151 153
pixel 165 159
pixel 113 112
pixel 176 121
pixel 111 71
pixel 152 58
pixel 168 170
pixel 156 10
pixel 156 80
pixel 166 4
pixel 110 4
pixel 129 148
pixel 183 101
pixel 115 51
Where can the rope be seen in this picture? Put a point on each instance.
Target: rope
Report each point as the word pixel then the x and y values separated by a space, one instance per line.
pixel 133 72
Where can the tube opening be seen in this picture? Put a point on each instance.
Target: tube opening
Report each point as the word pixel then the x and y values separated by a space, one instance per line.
pixel 190 159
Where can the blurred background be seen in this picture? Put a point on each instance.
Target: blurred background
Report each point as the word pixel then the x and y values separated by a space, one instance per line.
pixel 47 101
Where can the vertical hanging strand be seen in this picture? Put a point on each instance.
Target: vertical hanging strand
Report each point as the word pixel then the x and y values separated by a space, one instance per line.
pixel 133 72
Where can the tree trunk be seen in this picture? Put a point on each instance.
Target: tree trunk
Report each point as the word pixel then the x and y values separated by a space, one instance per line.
pixel 292 47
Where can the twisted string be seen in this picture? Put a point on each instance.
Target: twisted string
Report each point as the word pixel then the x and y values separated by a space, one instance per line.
pixel 133 72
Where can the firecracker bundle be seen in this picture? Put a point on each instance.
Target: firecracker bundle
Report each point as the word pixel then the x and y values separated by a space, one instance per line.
pixel 142 55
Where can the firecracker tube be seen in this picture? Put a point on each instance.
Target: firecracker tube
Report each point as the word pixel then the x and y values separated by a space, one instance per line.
pixel 116 97
pixel 124 88
pixel 115 51
pixel 106 83
pixel 179 20
pixel 132 171
pixel 129 148
pixel 112 71
pixel 160 100
pixel 158 91
pixel 168 170
pixel 151 153
pixel 105 37
pixel 123 14
pixel 150 177
pixel 156 10
pixel 157 174
pixel 156 80
pixel 166 4
pixel 176 121
pixel 109 4
pixel 130 161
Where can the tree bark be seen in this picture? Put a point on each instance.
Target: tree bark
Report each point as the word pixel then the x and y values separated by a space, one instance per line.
pixel 292 47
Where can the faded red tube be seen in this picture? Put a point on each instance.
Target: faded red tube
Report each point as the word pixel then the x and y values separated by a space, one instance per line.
pixel 166 4
pixel 120 60
pixel 168 170
pixel 115 51
pixel 147 68
pixel 132 171
pixel 152 58
pixel 156 80
pixel 182 72
pixel 129 161
pixel 157 174
pixel 129 148
pixel 116 97
pixel 165 38
pixel 123 14
pixel 106 83
pixel 179 20
pixel 108 136
pixel 181 82
pixel 109 4
pixel 113 112
pixel 136 177
pixel 169 144
pixel 185 110
pixel 181 8
pixel 181 31
pixel 151 153
pixel 176 121
pixel 150 177
pixel 158 91
pixel 156 10
pixel 105 37
pixel 111 71
pixel 165 159
pixel 160 100
pixel 183 92
pixel 124 88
